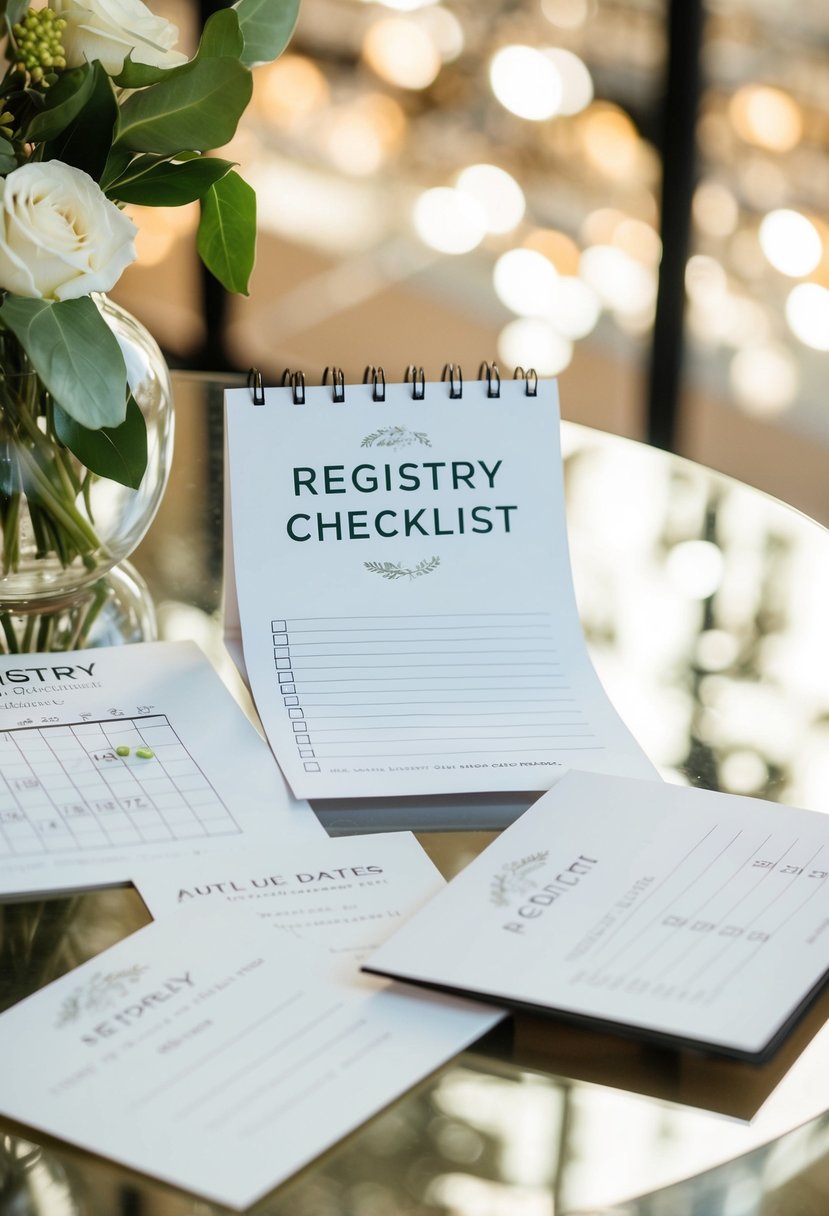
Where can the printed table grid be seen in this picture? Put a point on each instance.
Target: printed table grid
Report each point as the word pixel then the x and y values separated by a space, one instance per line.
pixel 404 687
pixel 725 898
pixel 65 787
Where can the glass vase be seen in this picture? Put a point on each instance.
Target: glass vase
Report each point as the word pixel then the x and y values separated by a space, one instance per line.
pixel 62 527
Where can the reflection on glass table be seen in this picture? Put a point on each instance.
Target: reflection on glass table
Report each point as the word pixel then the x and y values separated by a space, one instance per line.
pixel 704 604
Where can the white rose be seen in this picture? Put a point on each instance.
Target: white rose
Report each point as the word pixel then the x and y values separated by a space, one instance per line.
pixel 110 30
pixel 60 236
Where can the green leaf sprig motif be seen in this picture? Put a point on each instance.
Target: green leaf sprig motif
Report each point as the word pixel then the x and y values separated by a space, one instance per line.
pixel 513 877
pixel 396 437
pixel 100 111
pixel 99 991
pixel 396 570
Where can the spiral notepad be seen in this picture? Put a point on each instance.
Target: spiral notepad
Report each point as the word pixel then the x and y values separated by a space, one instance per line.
pixel 406 604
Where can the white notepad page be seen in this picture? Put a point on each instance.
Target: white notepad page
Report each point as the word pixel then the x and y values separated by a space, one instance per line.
pixel 407 610
pixel 119 756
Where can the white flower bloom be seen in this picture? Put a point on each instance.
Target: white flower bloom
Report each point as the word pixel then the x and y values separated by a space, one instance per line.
pixel 60 236
pixel 110 30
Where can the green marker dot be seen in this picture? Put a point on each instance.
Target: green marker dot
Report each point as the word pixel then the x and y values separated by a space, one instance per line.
pixel 144 753
pixel 122 751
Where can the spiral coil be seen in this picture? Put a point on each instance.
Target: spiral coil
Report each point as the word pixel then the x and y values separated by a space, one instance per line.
pixel 414 376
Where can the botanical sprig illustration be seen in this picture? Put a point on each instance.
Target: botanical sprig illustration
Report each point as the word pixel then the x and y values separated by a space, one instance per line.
pixel 100 990
pixel 513 877
pixel 396 437
pixel 396 570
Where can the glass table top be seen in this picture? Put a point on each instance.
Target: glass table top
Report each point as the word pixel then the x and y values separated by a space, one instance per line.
pixel 704 604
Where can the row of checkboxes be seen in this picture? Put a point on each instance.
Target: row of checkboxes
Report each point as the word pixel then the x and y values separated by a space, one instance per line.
pixel 287 686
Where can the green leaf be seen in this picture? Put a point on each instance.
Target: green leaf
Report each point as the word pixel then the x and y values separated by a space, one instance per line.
pixel 8 160
pixel 87 140
pixel 14 10
pixel 117 163
pixel 266 27
pixel 63 104
pixel 227 232
pixel 76 355
pixel 196 107
pixel 138 75
pixel 221 36
pixel 154 182
pixel 119 453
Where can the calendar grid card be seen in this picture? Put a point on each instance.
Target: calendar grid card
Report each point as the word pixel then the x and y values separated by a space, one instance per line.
pixel 117 756
pixel 400 561
pixel 93 784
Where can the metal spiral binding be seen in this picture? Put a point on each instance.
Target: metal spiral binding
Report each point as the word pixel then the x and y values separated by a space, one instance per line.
pixel 376 376
pixel 255 386
pixel 296 382
pixel 417 378
pixel 450 372
pixel 531 377
pixel 490 373
pixel 338 383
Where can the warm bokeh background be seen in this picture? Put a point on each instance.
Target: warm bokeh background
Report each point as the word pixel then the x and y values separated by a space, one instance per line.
pixel 472 180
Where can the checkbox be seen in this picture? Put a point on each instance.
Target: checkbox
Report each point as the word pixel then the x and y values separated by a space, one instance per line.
pixel 281 652
pixel 311 766
pixel 296 713
pixel 291 700
pixel 289 688
pixel 286 677
pixel 306 751
pixel 278 626
pixel 283 664
pixel 280 639
pixel 301 725
pixel 303 739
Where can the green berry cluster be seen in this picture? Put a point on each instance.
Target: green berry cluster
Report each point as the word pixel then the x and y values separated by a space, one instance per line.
pixel 38 46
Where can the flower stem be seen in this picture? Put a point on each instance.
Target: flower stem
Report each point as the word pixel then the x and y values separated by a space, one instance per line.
pixel 37 471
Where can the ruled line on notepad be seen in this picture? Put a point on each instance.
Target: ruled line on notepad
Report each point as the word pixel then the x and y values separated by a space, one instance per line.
pixel 434 714
pixel 391 642
pixel 397 679
pixel 465 751
pixel 476 660
pixel 432 616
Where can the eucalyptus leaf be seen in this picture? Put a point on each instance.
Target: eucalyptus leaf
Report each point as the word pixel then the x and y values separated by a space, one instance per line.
pixel 87 140
pixel 63 104
pixel 75 354
pixel 154 182
pixel 266 27
pixel 119 453
pixel 197 107
pixel 226 238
